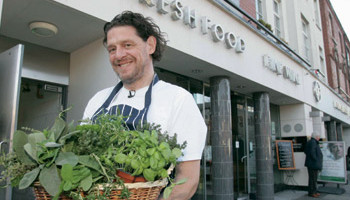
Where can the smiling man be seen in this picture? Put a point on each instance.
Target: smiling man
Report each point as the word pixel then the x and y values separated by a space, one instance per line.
pixel 134 43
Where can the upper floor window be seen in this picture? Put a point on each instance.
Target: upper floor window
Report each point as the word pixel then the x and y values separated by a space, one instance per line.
pixel 306 39
pixel 341 43
pixel 322 62
pixel 331 24
pixel 259 9
pixel 317 13
pixel 277 17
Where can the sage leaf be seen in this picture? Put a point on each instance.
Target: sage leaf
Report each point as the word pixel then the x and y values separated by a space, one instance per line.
pixel 35 138
pixel 90 162
pixel 31 151
pixel 20 138
pixel 67 158
pixel 167 192
pixel 52 144
pixel 63 139
pixel 57 129
pixel 50 180
pixel 28 178
pixel 86 183
pixel 182 181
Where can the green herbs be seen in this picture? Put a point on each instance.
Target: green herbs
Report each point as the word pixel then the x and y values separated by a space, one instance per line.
pixel 75 159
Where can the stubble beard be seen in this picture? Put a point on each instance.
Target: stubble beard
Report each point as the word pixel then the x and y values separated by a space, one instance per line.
pixel 134 77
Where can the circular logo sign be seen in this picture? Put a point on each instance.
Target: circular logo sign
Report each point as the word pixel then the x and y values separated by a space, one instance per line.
pixel 317 91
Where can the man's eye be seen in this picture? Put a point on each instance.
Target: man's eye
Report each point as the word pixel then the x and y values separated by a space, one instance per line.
pixel 111 50
pixel 127 45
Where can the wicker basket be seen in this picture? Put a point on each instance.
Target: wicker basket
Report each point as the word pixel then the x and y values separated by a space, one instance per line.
pixel 139 191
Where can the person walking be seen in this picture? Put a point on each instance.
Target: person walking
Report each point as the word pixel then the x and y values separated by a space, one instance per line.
pixel 313 162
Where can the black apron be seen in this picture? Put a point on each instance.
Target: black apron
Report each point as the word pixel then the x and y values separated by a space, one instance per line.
pixel 133 116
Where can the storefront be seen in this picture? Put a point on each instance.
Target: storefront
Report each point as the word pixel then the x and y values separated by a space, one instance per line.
pixel 251 90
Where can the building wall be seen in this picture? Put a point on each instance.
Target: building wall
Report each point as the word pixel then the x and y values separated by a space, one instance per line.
pixel 334 48
pixel 249 7
pixel 90 72
pixel 41 63
pixel 192 42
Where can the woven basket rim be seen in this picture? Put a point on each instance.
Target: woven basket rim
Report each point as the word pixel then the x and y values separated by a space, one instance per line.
pixel 159 183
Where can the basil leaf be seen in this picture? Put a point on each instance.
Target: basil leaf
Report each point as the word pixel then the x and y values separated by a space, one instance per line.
pixel 120 158
pixel 86 183
pixel 149 174
pixel 67 172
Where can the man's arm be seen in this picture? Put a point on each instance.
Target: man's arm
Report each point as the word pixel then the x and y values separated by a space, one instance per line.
pixel 191 171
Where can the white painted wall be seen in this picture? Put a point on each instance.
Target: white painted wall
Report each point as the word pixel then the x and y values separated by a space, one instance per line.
pixel 90 72
pixel 41 63
pixel 294 28
pixel 293 116
pixel 191 41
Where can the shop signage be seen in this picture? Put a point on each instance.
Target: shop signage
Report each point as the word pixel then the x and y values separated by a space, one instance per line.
pixel 280 69
pixel 177 11
pixel 285 154
pixel 342 108
pixel 317 91
pixel 334 162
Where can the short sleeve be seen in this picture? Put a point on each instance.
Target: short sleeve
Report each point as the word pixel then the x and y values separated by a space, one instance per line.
pixel 188 123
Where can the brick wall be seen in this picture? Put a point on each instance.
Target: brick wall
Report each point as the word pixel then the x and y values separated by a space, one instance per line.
pixel 334 48
pixel 249 7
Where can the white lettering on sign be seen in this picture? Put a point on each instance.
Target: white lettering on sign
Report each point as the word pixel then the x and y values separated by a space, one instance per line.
pixel 177 7
pixel 276 67
pixel 342 108
pixel 189 17
pixel 161 6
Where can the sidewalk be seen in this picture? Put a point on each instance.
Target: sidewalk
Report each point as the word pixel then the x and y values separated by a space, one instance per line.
pixel 302 195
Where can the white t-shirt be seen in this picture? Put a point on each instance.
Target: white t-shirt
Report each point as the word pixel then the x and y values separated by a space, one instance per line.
pixel 172 107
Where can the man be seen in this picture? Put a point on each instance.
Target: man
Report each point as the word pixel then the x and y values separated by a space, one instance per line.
pixel 313 162
pixel 134 43
pixel 336 150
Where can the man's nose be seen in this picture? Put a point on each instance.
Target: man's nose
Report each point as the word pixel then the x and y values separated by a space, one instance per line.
pixel 120 53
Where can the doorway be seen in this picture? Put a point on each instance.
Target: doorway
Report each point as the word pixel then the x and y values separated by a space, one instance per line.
pixel 244 159
pixel 39 105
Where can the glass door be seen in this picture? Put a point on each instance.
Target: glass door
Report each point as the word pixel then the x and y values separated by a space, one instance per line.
pixel 244 146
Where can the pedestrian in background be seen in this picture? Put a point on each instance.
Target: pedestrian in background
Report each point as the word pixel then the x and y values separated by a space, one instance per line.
pixel 313 162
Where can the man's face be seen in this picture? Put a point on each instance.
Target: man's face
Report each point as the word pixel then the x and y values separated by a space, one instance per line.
pixel 129 55
pixel 337 150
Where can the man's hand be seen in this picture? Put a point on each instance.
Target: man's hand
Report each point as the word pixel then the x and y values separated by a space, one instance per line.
pixel 191 171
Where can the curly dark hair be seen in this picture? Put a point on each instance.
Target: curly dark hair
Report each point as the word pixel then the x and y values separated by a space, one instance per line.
pixel 145 27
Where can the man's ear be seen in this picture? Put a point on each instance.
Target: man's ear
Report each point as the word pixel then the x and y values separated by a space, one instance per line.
pixel 151 44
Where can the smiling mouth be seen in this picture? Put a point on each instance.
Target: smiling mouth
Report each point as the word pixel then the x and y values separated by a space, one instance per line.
pixel 123 64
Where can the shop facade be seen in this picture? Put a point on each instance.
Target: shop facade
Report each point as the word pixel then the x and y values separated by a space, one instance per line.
pixel 251 89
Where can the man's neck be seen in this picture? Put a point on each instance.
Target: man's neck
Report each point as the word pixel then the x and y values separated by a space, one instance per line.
pixel 143 82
